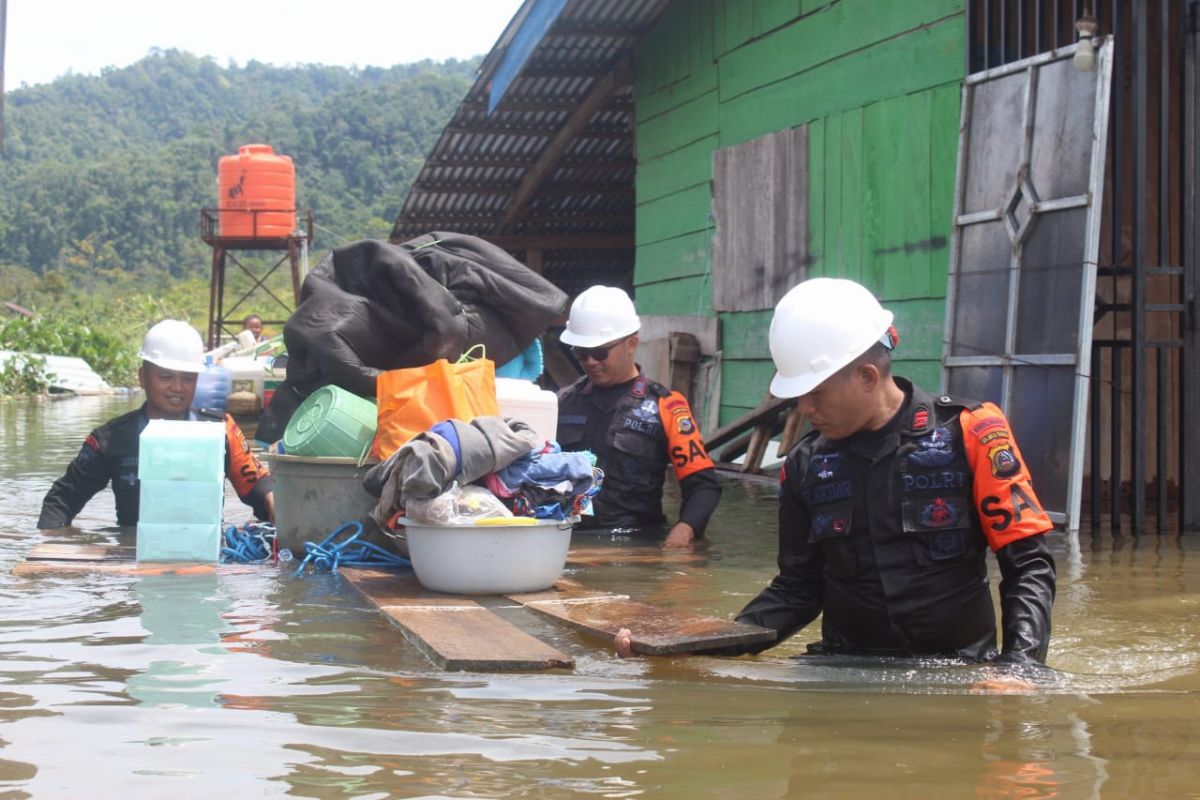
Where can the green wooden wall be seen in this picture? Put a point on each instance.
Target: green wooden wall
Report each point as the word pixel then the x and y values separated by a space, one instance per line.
pixel 878 83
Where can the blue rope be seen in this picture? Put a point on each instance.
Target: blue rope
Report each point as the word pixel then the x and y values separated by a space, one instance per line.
pixel 330 554
pixel 252 545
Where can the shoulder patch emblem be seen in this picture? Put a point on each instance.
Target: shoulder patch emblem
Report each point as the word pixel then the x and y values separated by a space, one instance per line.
pixel 1004 461
pixel 685 425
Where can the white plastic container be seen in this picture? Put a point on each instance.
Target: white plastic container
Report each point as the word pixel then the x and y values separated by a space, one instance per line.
pixel 485 559
pixel 179 450
pixel 529 403
pixel 250 374
pixel 172 541
pixel 181 466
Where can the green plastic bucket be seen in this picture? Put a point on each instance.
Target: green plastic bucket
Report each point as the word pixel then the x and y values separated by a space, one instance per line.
pixel 331 423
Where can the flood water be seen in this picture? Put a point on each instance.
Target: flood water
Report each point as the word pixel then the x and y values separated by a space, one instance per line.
pixel 256 683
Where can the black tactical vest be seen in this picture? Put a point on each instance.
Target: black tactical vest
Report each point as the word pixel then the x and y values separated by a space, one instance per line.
pixel 893 514
pixel 622 426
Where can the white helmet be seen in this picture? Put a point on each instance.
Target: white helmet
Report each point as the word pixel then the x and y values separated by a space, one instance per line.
pixel 599 315
pixel 820 326
pixel 173 345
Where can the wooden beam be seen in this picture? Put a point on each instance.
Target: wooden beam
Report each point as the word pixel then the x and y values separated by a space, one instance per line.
pixel 500 190
pixel 656 631
pixel 596 97
pixel 563 241
pixel 769 408
pixel 483 162
pixel 456 633
pixel 492 129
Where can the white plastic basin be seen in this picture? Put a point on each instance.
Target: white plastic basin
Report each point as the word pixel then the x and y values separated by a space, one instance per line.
pixel 478 559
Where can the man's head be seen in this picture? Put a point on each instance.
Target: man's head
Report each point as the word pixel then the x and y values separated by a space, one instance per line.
pixel 253 323
pixel 172 358
pixel 831 342
pixel 602 331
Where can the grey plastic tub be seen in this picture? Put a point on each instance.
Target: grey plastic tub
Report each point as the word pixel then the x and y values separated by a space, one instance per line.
pixel 315 495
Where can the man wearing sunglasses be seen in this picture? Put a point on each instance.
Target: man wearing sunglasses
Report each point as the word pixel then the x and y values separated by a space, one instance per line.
pixel 635 426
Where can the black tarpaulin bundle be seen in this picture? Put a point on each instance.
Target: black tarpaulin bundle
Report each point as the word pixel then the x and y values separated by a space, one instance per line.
pixel 372 306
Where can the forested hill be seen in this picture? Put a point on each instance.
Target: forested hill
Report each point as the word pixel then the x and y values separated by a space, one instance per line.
pixel 110 172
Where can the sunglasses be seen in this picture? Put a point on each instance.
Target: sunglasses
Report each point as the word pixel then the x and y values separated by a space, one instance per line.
pixel 595 353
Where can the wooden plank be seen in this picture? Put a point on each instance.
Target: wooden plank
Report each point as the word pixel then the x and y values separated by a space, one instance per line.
pixel 842 31
pixel 52 551
pixel 673 215
pixel 688 123
pixel 760 208
pixel 676 297
pixel 677 257
pixel 677 170
pixel 656 631
pixel 603 556
pixel 456 633
pixel 767 410
pixel 28 569
pixel 928 57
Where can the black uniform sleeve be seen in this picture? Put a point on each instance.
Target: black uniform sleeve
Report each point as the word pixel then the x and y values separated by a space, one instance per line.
pixel 86 475
pixel 701 493
pixel 1027 585
pixel 794 598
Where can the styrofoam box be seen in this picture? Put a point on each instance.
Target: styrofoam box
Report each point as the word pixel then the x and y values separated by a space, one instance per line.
pixel 183 502
pixel 168 541
pixel 179 450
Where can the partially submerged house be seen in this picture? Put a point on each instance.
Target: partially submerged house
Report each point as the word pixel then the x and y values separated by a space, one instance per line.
pixel 709 154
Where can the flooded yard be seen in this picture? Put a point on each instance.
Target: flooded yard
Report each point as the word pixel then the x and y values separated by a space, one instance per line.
pixel 252 682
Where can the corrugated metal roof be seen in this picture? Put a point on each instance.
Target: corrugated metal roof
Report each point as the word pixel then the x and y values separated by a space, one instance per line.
pixel 552 168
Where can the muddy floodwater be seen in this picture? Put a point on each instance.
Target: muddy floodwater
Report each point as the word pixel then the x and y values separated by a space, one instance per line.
pixel 263 684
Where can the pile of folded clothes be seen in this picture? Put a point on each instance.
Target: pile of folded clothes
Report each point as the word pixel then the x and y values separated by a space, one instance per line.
pixel 528 477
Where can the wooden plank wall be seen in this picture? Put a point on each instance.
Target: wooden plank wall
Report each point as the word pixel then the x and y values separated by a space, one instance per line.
pixel 877 84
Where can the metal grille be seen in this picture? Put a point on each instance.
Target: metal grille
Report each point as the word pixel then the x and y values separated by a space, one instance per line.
pixel 1142 467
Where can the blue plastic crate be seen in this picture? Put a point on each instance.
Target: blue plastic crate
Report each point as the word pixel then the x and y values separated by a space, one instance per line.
pixel 175 450
pixel 168 541
pixel 182 502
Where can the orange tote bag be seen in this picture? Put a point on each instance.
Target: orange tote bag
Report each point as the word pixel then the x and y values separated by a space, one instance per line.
pixel 413 400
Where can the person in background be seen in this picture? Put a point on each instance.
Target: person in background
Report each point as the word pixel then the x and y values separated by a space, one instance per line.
pixel 172 358
pixel 254 324
pixel 889 504
pixel 635 426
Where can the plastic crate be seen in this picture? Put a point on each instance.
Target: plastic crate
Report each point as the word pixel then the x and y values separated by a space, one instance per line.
pixel 181 502
pixel 177 450
pixel 169 541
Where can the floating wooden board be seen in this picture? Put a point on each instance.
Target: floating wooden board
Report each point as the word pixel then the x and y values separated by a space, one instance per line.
pixel 601 555
pixel 51 558
pixel 455 632
pixel 656 631
pixel 80 552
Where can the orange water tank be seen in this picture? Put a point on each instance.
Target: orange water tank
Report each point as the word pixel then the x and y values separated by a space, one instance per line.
pixel 256 193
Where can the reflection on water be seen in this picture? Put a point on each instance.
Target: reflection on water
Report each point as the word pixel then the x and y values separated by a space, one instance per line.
pixel 257 683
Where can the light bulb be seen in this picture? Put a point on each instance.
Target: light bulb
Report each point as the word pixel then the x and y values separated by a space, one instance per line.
pixel 1085 55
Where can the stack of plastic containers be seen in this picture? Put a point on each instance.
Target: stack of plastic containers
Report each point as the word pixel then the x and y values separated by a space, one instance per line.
pixel 181 466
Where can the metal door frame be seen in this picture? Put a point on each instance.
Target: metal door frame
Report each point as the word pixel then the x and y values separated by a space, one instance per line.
pixel 1081 360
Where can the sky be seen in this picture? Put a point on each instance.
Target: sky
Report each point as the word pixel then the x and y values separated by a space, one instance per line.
pixel 49 38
